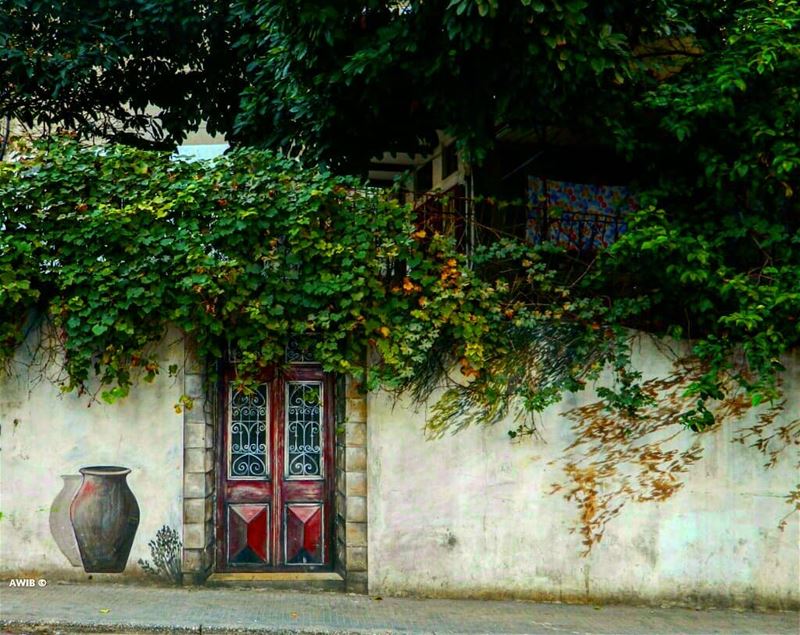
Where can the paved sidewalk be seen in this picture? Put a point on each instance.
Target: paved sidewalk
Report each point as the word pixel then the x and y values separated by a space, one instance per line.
pixel 116 608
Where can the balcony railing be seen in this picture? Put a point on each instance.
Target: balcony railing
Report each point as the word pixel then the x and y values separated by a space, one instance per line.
pixel 582 218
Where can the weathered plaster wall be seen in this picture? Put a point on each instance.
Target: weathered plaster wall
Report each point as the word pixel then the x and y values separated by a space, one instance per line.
pixel 471 514
pixel 45 434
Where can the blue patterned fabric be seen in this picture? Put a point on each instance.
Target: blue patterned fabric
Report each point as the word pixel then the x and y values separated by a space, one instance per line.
pixel 581 217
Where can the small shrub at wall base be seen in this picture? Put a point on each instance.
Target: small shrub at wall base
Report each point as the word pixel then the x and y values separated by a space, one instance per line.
pixel 166 552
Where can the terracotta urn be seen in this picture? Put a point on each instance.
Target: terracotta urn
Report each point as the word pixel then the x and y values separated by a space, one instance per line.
pixel 105 517
pixel 60 523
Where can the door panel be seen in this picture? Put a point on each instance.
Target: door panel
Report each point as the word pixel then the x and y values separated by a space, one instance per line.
pixel 275 475
pixel 248 534
pixel 304 525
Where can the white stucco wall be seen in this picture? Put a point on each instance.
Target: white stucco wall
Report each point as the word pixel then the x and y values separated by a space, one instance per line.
pixel 466 515
pixel 45 434
pixel 471 514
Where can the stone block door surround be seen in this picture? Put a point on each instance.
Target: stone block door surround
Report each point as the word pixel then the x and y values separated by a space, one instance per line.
pixel 200 440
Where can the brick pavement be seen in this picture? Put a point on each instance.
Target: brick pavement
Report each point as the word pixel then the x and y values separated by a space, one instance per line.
pixel 110 608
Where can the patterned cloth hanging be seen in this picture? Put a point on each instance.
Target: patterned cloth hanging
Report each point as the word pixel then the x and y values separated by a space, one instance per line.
pixel 581 217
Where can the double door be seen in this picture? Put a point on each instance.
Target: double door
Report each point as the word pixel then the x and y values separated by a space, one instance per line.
pixel 274 503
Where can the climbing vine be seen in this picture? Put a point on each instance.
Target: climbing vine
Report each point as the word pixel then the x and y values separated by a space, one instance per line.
pixel 111 246
pixel 251 250
pixel 244 253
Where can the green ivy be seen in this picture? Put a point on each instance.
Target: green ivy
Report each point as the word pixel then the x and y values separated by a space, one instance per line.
pixel 251 250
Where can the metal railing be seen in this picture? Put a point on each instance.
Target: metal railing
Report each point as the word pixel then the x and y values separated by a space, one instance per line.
pixel 477 221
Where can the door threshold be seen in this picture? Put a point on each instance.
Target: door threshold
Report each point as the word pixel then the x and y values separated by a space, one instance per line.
pixel 282 580
pixel 275 576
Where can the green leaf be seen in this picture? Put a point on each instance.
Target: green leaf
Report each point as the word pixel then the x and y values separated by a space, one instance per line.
pixel 99 329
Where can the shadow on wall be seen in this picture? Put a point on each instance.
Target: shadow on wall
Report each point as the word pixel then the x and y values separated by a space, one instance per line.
pixel 60 523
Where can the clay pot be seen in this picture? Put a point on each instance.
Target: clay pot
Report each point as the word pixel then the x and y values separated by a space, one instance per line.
pixel 105 517
pixel 60 524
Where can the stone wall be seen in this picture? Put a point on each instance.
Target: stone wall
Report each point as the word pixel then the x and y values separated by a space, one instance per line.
pixel 199 470
pixel 350 532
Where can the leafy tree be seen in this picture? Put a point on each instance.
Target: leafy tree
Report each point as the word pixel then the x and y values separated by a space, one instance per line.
pixel 345 79
pixel 354 79
pixel 700 97
pixel 141 73
pixel 717 251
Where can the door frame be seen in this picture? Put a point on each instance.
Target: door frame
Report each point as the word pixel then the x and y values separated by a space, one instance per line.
pixel 201 424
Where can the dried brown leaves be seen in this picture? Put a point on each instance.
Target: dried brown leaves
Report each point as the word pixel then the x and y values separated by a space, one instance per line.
pixel 616 459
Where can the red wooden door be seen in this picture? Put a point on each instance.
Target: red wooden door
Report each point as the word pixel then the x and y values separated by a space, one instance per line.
pixel 274 503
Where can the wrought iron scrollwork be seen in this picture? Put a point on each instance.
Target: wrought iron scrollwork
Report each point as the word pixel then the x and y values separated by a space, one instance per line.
pixel 248 434
pixel 297 355
pixel 303 429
